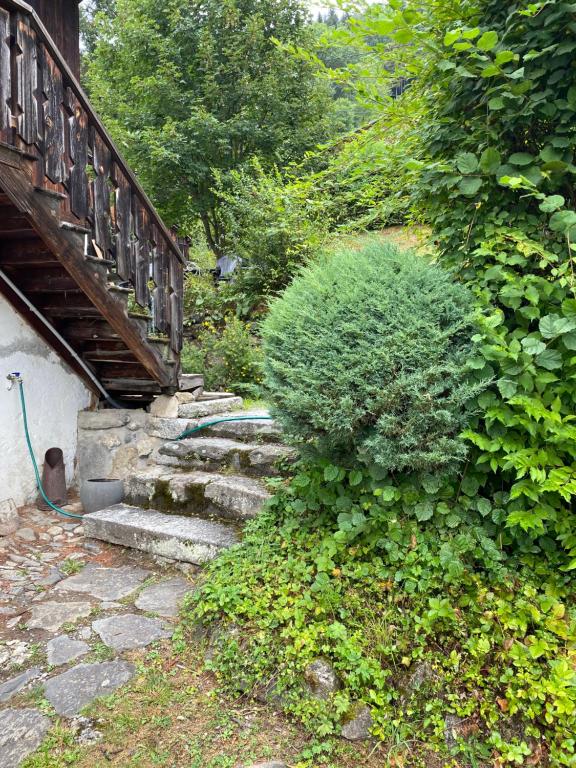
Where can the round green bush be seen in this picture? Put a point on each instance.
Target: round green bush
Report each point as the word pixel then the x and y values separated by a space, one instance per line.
pixel 366 360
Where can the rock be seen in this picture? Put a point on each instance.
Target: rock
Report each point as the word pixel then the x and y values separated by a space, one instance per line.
pixel 84 633
pixel 108 419
pixel 164 598
pixel 84 729
pixel 53 577
pixel 452 724
pixel 165 407
pixel 92 547
pixel 129 631
pixel 26 534
pixel 11 687
pixel 358 723
pixel 321 678
pixel 9 520
pixel 21 733
pixel 51 615
pixel 74 689
pixel 63 649
pixel 273 764
pixel 106 583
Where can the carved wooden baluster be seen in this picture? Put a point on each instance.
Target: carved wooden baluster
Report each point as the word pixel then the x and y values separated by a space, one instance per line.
pixel 142 255
pixel 176 303
pixel 160 277
pixel 53 117
pixel 78 186
pixel 5 75
pixel 123 222
pixel 26 106
pixel 102 163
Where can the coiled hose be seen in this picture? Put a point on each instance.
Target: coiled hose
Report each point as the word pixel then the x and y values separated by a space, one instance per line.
pixel 34 464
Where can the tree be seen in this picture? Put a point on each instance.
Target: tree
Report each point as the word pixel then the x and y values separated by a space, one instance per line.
pixel 88 24
pixel 194 87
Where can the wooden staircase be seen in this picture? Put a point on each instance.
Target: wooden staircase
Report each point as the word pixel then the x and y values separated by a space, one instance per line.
pixel 79 239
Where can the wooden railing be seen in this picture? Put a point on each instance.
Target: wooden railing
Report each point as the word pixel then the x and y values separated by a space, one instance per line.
pixel 45 113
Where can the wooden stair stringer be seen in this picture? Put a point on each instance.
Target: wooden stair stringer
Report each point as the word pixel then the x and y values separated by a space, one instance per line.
pixel 67 246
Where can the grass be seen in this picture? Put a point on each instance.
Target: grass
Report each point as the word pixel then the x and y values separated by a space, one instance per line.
pixel 70 566
pixel 172 715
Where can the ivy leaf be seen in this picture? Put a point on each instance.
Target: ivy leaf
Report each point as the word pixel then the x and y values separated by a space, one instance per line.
pixel 554 325
pixel 488 41
pixel 562 221
pixel 451 37
pixel 490 160
pixel 551 203
pixel 533 346
pixel 355 477
pixel 503 57
pixel 484 506
pixel 470 185
pixel 571 97
pixel 521 158
pixel 424 511
pixel 550 359
pixel 467 162
pixel 569 340
pixel 507 388
pixel 330 473
pixel 496 103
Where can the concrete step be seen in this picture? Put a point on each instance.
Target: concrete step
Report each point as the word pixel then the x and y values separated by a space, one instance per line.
pixel 254 430
pixel 217 453
pixel 189 539
pixel 198 408
pixel 196 493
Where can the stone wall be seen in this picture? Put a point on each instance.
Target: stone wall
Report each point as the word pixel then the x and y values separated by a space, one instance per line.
pixel 113 443
pixel 54 395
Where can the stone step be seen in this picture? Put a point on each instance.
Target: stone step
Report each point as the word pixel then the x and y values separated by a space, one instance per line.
pixel 198 408
pixel 189 539
pixel 196 493
pixel 254 430
pixel 217 453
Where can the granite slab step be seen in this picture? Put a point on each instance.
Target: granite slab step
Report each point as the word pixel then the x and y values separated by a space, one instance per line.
pixel 208 494
pixel 188 539
pixel 216 453
pixel 198 409
pixel 251 427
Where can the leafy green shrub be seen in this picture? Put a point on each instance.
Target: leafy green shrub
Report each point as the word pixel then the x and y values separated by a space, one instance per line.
pixel 272 225
pixel 429 624
pixel 229 357
pixel 366 360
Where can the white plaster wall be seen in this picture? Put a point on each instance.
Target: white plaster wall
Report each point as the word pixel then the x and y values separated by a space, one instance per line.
pixel 54 395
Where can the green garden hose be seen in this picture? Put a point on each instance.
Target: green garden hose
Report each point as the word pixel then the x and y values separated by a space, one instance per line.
pixel 189 432
pixel 36 472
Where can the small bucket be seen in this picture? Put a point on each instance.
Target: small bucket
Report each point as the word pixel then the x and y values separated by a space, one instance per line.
pixel 54 479
pixel 99 493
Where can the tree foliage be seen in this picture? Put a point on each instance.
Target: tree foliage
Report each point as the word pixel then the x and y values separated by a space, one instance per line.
pixel 190 86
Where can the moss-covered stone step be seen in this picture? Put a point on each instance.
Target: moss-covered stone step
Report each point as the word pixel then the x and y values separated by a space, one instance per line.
pixel 250 427
pixel 199 408
pixel 206 494
pixel 190 539
pixel 217 453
